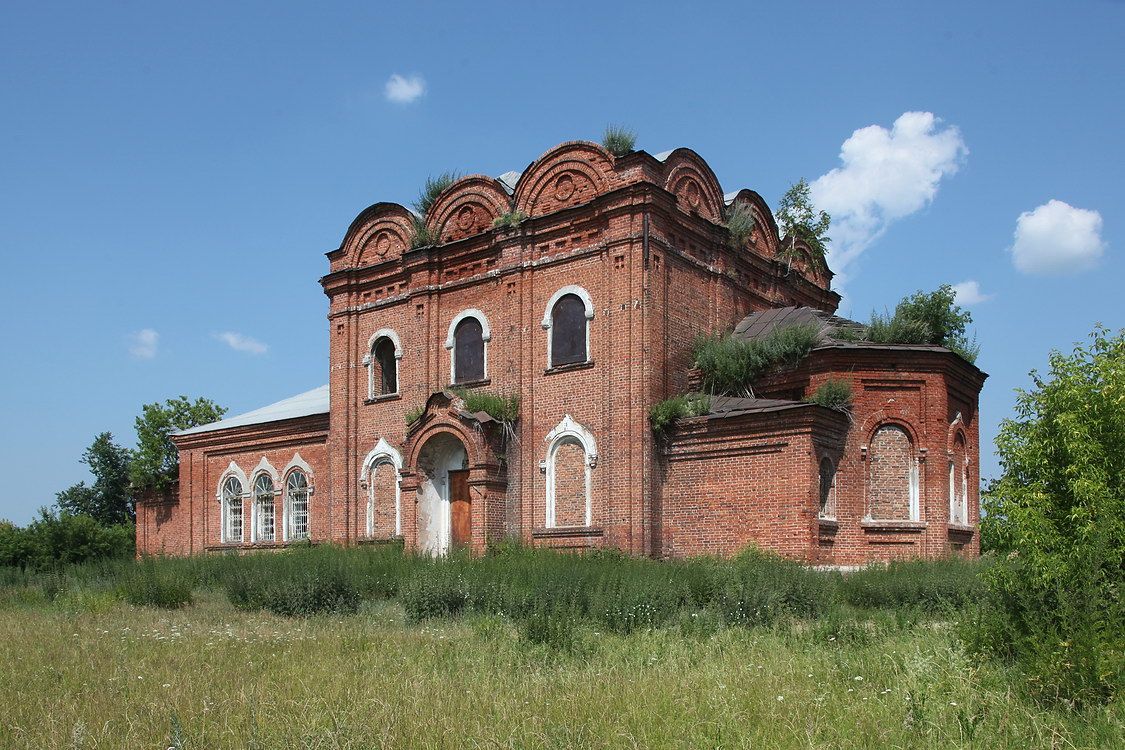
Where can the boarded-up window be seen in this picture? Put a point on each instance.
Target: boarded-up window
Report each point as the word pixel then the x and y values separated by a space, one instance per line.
pixel 386 367
pixel 382 511
pixel 569 477
pixel 468 351
pixel 892 478
pixel 827 488
pixel 568 331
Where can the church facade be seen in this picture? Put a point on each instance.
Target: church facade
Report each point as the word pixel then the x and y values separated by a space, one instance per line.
pixel 571 294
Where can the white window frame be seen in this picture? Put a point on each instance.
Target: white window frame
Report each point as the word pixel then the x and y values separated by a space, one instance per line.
pixel 548 317
pixel 382 454
pixel 915 489
pixel 569 431
pixel 266 468
pixel 450 343
pixel 369 361
pixel 297 463
pixel 231 472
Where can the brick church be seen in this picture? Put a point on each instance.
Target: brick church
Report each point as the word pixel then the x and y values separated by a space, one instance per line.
pixel 578 286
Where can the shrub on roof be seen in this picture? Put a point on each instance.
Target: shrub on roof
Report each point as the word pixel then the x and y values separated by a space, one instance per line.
pixel 619 140
pixel 501 407
pixel 432 189
pixel 834 394
pixel 926 318
pixel 740 225
pixel 668 411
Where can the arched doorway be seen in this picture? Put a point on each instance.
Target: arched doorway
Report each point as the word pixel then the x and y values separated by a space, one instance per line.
pixel 443 495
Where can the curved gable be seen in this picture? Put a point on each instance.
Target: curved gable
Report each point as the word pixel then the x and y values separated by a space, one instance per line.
pixel 467 207
pixel 380 232
pixel 690 179
pixel 764 239
pixel 567 175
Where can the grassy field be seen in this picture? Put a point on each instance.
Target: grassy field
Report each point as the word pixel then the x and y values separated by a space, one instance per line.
pixel 82 668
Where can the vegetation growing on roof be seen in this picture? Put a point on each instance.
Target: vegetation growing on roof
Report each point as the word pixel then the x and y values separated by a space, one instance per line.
pixel 731 364
pixel 619 140
pixel 834 394
pixel 798 219
pixel 432 189
pixel 669 410
pixel 414 415
pixel 509 220
pixel 422 236
pixel 926 318
pixel 501 407
pixel 740 225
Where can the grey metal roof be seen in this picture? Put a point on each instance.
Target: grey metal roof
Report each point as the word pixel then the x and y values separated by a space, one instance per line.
pixel 663 155
pixel 764 322
pixel 729 406
pixel 509 180
pixel 302 405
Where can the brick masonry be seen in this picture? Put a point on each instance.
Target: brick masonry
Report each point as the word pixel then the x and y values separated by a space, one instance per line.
pixel 643 239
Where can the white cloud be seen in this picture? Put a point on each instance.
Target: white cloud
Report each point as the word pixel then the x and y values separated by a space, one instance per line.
pixel 885 175
pixel 143 343
pixel 968 293
pixel 404 90
pixel 1057 239
pixel 241 343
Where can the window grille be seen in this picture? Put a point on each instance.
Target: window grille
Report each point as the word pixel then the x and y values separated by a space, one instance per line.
pixel 297 492
pixel 264 526
pixel 232 510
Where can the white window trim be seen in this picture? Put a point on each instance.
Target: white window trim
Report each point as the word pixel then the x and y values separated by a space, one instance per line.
pixel 915 494
pixel 369 360
pixel 547 322
pixel 568 430
pixel 295 463
pixel 485 334
pixel 382 453
pixel 954 501
pixel 233 470
pixel 263 467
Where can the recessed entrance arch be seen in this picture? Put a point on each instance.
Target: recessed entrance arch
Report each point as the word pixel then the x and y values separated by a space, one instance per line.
pixel 444 505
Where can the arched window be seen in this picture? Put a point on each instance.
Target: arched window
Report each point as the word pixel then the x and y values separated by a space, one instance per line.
pixel 468 351
pixel 383 354
pixel 568 331
pixel 959 483
pixel 297 506
pixel 231 496
pixel 827 488
pixel 262 526
pixel 892 475
pixel 567 322
pixel 571 457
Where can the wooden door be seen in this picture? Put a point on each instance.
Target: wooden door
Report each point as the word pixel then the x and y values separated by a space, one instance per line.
pixel 461 529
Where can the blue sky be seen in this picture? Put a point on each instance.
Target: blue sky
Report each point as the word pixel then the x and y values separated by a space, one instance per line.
pixel 173 173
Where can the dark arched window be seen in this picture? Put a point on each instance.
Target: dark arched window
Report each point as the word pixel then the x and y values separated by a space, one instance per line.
pixel 568 331
pixel 468 351
pixel 385 376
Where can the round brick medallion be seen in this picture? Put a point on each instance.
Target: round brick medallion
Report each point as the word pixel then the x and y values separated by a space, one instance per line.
pixel 465 218
pixel 564 187
pixel 382 244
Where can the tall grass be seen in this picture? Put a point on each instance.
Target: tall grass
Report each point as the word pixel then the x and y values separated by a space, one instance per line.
pixel 730 364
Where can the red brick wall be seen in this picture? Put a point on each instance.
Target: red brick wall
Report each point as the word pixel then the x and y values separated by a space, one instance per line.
pixel 570 485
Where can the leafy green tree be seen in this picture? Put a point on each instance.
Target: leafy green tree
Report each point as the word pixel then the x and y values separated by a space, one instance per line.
pixel 109 501
pixel 798 219
pixel 1057 514
pixel 156 462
